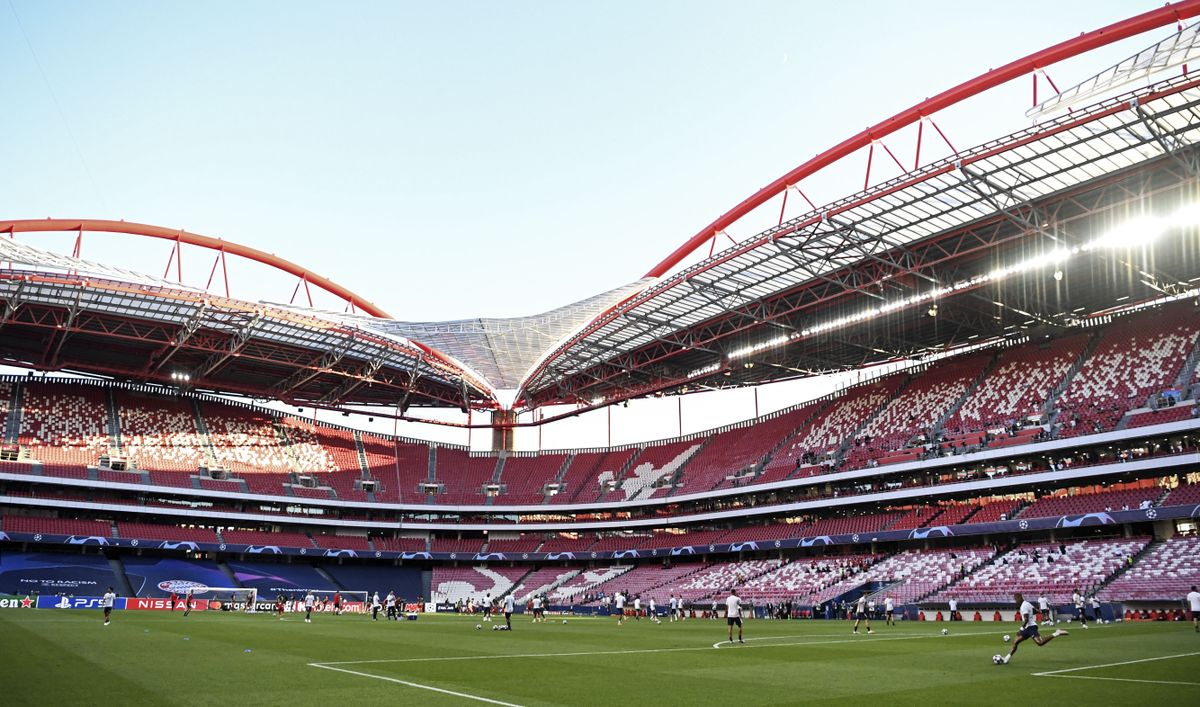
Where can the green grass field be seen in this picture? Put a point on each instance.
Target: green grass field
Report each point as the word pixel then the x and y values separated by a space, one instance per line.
pixel 64 657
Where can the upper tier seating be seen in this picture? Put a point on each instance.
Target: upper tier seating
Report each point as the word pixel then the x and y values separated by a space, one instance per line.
pixel 64 424
pixel 735 451
pixel 1165 573
pixel 825 433
pixel 399 468
pixel 1123 499
pixel 1136 356
pixel 159 434
pixel 580 483
pixel 1040 569
pixel 524 478
pixel 308 450
pixel 451 584
pixel 244 441
pixel 656 465
pixel 1017 387
pixel 789 455
pixel 914 412
pixel 463 476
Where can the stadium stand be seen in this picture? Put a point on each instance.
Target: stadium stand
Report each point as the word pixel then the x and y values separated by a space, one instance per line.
pixel 1056 570
pixel 1083 502
pixel 910 417
pixel 1017 387
pixel 524 478
pixel 277 538
pixel 541 581
pixel 467 546
pixel 580 483
pixel 913 574
pixel 463 476
pixel 159 434
pixel 154 531
pixel 64 425
pixel 56 526
pixel 1165 572
pixel 453 584
pixel 577 589
pixel 655 467
pixel 243 440
pixel 1135 356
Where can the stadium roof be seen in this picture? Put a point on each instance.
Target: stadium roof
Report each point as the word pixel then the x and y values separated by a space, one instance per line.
pixel 986 243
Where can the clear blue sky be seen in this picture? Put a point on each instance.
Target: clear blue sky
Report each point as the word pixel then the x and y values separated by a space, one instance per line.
pixel 468 158
pixel 460 159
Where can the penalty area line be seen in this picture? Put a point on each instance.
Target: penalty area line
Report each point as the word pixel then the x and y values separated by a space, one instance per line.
pixel 417 685
pixel 1063 673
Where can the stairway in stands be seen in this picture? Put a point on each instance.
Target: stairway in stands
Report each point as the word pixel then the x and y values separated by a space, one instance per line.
pixel 12 427
pixel 202 429
pixel 1049 412
pixel 936 428
pixel 114 420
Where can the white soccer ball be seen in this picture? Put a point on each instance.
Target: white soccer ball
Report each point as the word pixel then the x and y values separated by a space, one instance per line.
pixel 564 621
pixel 478 627
pixel 997 659
pixel 1007 638
pixel 945 632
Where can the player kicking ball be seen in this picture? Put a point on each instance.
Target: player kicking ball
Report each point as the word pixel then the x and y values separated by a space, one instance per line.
pixel 1029 630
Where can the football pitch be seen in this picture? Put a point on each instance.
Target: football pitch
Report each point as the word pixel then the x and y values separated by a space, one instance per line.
pixel 144 658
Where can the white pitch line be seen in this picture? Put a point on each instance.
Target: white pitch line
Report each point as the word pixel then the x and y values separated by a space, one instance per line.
pixel 1096 677
pixel 417 685
pixel 1060 673
pixel 635 651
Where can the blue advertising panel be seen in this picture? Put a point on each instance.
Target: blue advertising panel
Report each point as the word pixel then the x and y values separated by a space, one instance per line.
pixel 162 576
pixel 274 578
pixel 405 581
pixel 25 573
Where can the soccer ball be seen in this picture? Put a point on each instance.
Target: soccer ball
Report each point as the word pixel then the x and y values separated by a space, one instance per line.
pixel 495 628
pixel 564 621
pixel 1007 638
pixel 478 627
pixel 997 659
pixel 945 632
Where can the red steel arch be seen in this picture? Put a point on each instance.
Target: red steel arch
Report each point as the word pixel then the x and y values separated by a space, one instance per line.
pixel 180 236
pixel 1082 44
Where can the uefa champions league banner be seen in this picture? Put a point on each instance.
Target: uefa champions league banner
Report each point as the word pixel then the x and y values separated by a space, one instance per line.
pixel 1019 525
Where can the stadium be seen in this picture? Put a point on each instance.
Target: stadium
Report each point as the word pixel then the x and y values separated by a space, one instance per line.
pixel 1016 324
